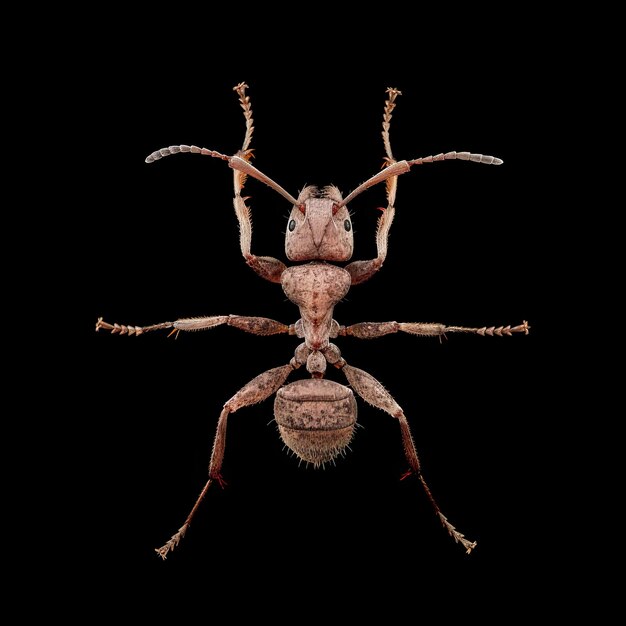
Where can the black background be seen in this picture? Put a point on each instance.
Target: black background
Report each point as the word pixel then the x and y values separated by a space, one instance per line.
pixel 161 242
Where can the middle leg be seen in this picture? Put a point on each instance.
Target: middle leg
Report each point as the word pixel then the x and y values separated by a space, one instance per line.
pixel 372 330
pixel 254 325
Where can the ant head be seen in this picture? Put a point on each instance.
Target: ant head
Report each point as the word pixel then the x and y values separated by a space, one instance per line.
pixel 319 227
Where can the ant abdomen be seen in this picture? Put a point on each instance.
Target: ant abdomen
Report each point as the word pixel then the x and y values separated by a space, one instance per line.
pixel 316 418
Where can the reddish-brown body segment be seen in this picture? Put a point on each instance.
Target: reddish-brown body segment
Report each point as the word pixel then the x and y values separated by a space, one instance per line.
pixel 316 288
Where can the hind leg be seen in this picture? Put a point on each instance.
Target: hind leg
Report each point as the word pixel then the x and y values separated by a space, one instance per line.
pixel 375 394
pixel 257 390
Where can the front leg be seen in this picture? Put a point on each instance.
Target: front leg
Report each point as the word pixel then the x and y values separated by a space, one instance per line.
pixel 360 271
pixel 266 267
pixel 254 325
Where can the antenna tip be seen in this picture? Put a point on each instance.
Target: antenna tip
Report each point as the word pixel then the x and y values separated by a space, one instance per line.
pixel 497 161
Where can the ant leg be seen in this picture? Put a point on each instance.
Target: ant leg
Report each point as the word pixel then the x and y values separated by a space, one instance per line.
pixel 258 389
pixel 254 325
pixel 375 394
pixel 371 330
pixel 390 105
pixel 267 267
pixel 362 270
pixel 244 100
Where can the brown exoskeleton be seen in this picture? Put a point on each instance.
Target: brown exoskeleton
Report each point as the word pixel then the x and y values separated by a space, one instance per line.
pixel 316 417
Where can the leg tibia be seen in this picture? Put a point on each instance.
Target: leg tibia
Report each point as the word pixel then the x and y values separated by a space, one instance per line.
pixel 191 323
pixel 437 330
pixel 409 447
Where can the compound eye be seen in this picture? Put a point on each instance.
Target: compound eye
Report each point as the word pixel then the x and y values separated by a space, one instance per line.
pixel 347 225
pixel 292 225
